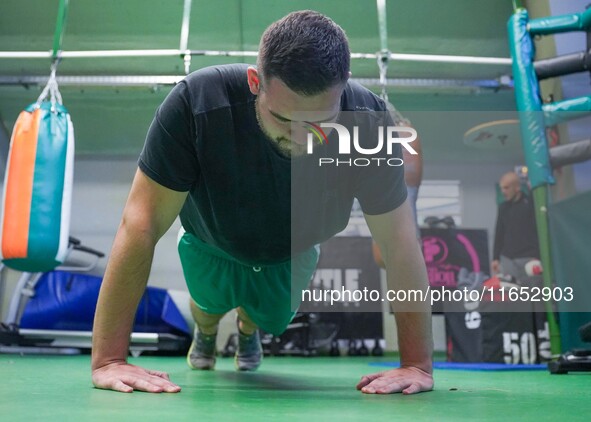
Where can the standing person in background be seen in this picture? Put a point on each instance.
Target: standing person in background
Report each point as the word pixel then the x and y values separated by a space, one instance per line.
pixel 516 238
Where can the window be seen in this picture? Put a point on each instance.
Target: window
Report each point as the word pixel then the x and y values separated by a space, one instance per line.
pixel 438 198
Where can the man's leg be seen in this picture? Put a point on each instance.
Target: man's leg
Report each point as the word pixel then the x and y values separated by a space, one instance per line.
pixel 203 348
pixel 245 324
pixel 268 303
pixel 208 273
pixel 202 354
pixel 207 323
pixel 250 352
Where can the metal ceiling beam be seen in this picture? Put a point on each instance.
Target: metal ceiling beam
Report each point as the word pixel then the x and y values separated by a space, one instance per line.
pixel 96 80
pixel 492 84
pixel 440 58
pixel 451 59
pixel 141 80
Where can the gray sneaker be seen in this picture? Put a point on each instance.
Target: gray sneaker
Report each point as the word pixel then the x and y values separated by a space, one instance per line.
pixel 249 353
pixel 202 352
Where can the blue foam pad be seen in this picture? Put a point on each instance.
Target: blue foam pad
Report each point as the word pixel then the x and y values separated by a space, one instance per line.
pixel 474 366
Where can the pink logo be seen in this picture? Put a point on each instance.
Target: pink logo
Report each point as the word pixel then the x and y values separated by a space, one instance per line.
pixel 435 250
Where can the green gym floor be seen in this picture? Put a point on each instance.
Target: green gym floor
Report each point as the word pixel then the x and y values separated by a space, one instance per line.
pixel 58 388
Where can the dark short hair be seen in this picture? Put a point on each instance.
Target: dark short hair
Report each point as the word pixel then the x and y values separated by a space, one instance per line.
pixel 307 51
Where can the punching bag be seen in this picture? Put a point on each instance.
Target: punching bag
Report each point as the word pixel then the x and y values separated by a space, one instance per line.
pixel 38 186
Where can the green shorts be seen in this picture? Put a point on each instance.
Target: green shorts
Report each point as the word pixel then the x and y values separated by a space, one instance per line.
pixel 218 283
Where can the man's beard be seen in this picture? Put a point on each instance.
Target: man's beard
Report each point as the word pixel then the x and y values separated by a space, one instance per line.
pixel 284 145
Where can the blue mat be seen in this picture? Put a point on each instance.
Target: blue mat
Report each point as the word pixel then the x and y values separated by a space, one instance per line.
pixel 474 366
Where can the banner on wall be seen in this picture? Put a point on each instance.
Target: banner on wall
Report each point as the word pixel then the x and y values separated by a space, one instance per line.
pixel 447 251
pixel 346 265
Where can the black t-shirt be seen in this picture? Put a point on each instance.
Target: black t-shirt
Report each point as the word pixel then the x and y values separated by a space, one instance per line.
pixel 205 139
pixel 515 234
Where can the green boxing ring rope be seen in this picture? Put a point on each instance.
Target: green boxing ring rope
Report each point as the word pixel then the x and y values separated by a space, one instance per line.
pixel 534 117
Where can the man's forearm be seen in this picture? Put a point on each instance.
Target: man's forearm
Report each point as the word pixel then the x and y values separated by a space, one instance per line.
pixel 406 271
pixel 415 339
pixel 123 286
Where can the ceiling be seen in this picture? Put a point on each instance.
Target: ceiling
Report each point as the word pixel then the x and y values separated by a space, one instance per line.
pixel 112 120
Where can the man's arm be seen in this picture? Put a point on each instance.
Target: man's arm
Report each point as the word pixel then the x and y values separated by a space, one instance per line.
pixel 149 212
pixel 413 164
pixel 395 233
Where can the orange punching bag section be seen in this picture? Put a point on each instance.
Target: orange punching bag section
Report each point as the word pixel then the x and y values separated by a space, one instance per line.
pixel 19 185
pixel 37 199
